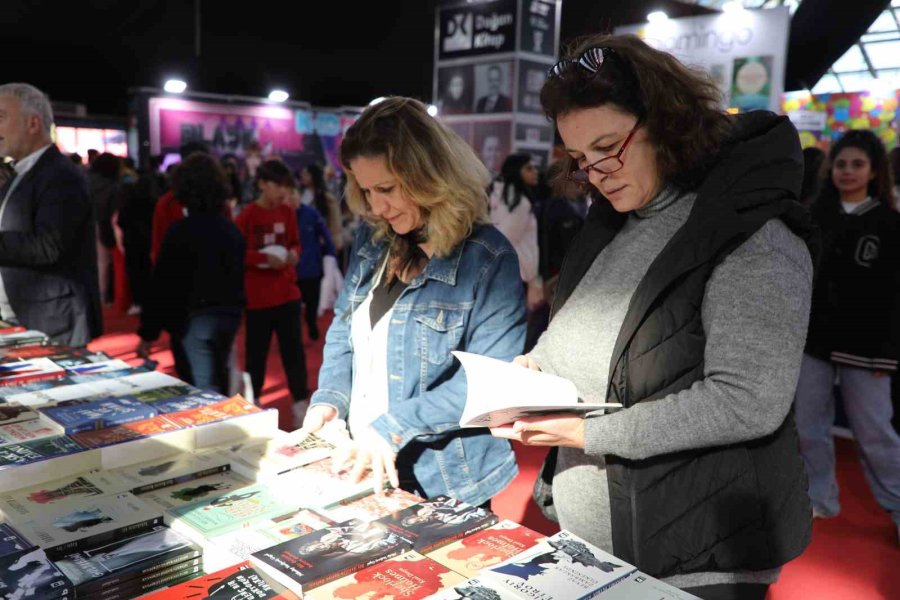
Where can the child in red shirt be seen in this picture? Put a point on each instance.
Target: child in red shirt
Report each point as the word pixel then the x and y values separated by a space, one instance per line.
pixel 273 298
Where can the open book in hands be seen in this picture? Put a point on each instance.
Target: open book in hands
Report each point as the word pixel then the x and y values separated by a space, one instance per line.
pixel 501 392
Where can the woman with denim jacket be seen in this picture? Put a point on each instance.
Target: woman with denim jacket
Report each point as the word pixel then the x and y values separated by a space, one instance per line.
pixel 427 275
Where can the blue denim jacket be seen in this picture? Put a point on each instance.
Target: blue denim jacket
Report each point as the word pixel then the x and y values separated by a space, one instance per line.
pixel 470 300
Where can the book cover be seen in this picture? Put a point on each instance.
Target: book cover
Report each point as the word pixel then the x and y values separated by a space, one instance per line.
pixel 30 574
pixel 283 453
pixel 164 392
pixel 640 586
pixel 471 555
pixel 29 501
pixel 232 407
pixel 371 507
pixel 63 529
pixel 99 385
pixel 98 367
pixel 34 369
pixel 185 402
pixel 474 589
pixel 223 513
pixel 28 430
pixel 28 337
pixel 58 354
pixel 411 576
pixel 11 541
pixel 437 522
pixel 563 566
pixel 312 560
pixel 136 588
pixel 243 542
pixel 134 557
pixel 500 392
pixel 234 582
pixel 171 470
pixel 188 492
pixel 35 450
pixel 126 432
pixel 99 414
pixel 10 414
pixel 323 488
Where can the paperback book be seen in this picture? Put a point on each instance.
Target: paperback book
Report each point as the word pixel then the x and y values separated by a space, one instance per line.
pixel 26 431
pixel 312 560
pixel 27 463
pixel 99 414
pixel 171 470
pixel 188 492
pixel 137 588
pixel 30 574
pixel 563 566
pixel 185 402
pixel 236 509
pixel 164 393
pixel 476 588
pixel 437 522
pixel 35 450
pixel 410 576
pixel 640 586
pixel 281 454
pixel 61 355
pixel 64 529
pixel 23 371
pixel 371 507
pixel 242 543
pixel 316 486
pixel 238 581
pixel 500 392
pixel 99 385
pixel 471 555
pixel 97 367
pixel 130 559
pixel 29 502
pixel 28 337
pixel 220 411
pixel 117 434
pixel 10 414
pixel 11 541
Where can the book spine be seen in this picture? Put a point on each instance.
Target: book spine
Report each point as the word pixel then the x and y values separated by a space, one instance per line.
pixel 107 537
pixel 490 522
pixel 104 423
pixel 150 487
pixel 32 378
pixel 140 587
pixel 160 568
pixel 378 558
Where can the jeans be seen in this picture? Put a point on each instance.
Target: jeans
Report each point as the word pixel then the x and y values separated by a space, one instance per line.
pixel 207 344
pixel 867 400
pixel 284 321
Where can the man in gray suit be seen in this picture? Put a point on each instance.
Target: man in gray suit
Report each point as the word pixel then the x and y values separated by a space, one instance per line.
pixel 48 266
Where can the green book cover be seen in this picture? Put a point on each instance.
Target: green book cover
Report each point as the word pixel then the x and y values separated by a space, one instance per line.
pixel 227 512
pixel 26 452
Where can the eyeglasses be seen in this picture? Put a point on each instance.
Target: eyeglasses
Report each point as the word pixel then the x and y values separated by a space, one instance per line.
pixel 612 163
pixel 590 60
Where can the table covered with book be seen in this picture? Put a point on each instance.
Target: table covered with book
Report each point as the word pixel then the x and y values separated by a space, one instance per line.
pixel 120 482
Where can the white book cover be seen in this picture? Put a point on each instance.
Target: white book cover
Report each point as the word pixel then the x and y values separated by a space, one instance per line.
pixel 103 366
pixel 24 431
pixel 16 413
pixel 31 501
pixel 119 386
pixel 69 527
pixel 320 487
pixel 288 451
pixel 170 470
pixel 187 492
pixel 476 588
pixel 640 586
pixel 563 566
pixel 500 392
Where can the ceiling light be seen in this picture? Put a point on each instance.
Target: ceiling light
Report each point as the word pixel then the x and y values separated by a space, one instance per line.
pixel 432 110
pixel 657 16
pixel 278 95
pixel 175 86
pixel 377 100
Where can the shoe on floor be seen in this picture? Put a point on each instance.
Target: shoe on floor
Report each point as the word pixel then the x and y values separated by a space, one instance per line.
pixel 299 410
pixel 821 513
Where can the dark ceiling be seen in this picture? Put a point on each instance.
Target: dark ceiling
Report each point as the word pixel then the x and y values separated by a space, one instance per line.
pixel 327 53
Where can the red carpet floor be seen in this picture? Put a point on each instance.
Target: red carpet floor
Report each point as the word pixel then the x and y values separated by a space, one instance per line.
pixel 854 556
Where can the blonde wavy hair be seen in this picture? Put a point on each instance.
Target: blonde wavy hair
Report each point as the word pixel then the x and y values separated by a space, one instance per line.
pixel 434 167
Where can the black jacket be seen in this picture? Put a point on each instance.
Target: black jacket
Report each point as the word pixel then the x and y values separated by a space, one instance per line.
pixel 856 300
pixel 48 253
pixel 200 269
pixel 730 508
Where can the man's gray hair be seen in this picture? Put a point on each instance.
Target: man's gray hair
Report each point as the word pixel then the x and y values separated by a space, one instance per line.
pixel 33 101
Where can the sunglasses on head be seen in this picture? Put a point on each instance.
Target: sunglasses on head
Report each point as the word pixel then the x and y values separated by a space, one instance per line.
pixel 590 60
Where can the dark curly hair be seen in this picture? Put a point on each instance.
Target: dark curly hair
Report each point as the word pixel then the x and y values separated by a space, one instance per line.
pixel 200 184
pixel 881 187
pixel 680 107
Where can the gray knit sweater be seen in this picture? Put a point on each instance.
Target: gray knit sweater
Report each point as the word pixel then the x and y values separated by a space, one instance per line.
pixel 755 313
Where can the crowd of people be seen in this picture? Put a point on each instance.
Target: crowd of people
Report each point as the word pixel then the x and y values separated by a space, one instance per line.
pixel 691 265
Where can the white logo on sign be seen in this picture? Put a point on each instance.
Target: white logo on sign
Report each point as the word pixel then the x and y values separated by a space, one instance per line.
pixel 459 33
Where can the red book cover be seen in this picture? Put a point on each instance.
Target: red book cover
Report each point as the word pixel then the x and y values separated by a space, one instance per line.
pixel 124 433
pixel 410 576
pixel 237 581
pixel 235 406
pixel 488 547
pixel 24 371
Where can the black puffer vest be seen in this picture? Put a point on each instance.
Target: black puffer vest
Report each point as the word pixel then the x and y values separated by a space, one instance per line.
pixel 726 508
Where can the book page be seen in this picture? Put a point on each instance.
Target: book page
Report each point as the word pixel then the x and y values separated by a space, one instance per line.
pixel 500 392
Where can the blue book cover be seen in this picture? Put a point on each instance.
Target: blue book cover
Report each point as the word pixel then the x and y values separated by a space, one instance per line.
pixel 100 414
pixel 11 540
pixel 187 402
pixel 30 574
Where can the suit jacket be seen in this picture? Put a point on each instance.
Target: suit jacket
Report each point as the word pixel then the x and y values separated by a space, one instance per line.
pixel 48 254
pixel 503 104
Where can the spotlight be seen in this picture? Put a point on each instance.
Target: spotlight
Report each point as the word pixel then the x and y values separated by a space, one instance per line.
pixel 657 16
pixel 278 95
pixel 432 110
pixel 175 86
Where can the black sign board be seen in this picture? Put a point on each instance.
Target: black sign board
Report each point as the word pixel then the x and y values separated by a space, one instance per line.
pixel 477 29
pixel 539 27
